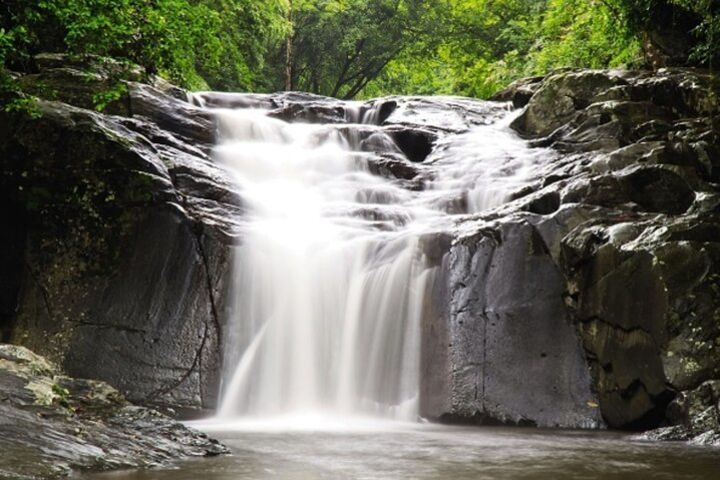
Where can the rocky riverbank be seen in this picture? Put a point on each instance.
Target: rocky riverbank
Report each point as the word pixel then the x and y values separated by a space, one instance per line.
pixel 52 424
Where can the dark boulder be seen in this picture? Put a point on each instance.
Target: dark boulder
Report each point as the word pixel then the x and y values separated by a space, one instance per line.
pixel 639 253
pixel 170 114
pixel 620 306
pixel 544 204
pixel 696 417
pixel 393 166
pixel 316 112
pixel 377 112
pixel 659 190
pixel 513 357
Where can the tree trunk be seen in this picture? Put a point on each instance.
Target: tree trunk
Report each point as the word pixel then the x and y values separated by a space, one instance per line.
pixel 289 51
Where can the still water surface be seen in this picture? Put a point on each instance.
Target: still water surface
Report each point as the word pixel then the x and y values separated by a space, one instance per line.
pixel 433 452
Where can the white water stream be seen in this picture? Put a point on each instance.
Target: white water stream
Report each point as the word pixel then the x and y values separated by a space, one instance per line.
pixel 329 279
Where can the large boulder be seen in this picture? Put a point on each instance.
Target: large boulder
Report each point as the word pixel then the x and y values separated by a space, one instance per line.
pixel 696 417
pixel 513 354
pixel 579 106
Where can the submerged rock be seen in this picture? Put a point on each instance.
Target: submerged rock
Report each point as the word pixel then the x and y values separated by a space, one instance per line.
pixel 51 424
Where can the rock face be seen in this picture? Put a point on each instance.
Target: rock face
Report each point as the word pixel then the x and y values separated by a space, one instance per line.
pixel 514 356
pixel 640 254
pixel 119 235
pixel 52 424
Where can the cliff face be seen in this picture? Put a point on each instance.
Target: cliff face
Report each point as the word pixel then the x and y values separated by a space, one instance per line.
pixel 511 353
pixel 119 235
pixel 635 234
pixel 590 299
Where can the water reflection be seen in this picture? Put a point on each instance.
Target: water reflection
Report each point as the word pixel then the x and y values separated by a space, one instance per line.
pixel 433 452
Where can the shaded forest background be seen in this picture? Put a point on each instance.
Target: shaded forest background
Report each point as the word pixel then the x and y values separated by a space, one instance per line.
pixel 362 48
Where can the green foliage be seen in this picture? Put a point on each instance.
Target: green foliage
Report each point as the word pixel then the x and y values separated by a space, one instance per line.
pixel 701 18
pixel 335 47
pixel 578 33
pixel 350 48
pixel 105 98
pixel 248 28
pixel 707 31
pixel 489 43
pixel 194 43
pixel 25 104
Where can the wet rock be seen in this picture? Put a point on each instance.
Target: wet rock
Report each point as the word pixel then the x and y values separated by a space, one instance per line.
pixel 503 317
pixel 377 112
pixel 545 203
pixel 559 98
pixel 416 144
pixel 640 260
pixel 170 114
pixel 519 92
pixel 668 434
pixel 695 415
pixel 652 130
pixel 688 92
pixel 603 190
pixel 124 229
pixel 621 334
pixel 233 100
pixel 443 115
pixel 310 113
pixel 607 126
pixel 393 166
pixel 366 138
pixel 659 190
pixel 379 142
pixel 53 424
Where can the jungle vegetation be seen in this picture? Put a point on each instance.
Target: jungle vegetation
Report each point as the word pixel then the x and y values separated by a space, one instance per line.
pixel 362 48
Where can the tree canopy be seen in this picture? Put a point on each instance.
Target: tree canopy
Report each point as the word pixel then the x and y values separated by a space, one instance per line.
pixel 210 43
pixel 351 48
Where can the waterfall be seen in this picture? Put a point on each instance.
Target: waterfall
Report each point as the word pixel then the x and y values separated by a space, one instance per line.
pixel 329 279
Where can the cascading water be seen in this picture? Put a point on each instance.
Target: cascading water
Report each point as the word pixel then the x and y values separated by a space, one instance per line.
pixel 329 279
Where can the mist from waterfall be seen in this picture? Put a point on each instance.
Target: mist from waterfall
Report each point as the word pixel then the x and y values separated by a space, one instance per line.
pixel 330 277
